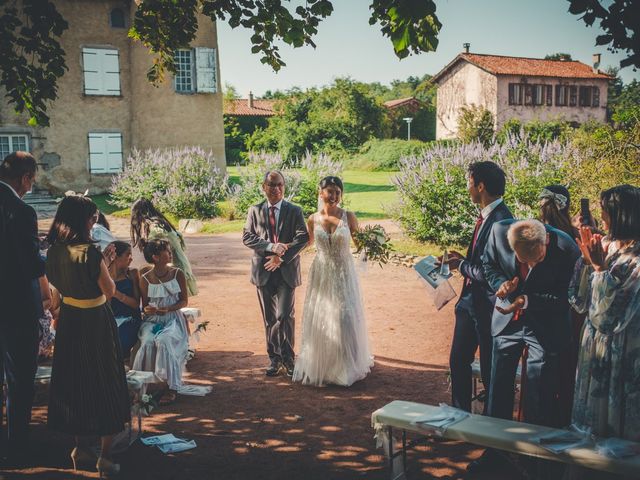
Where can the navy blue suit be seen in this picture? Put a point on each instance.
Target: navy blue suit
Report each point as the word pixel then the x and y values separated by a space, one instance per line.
pixel 20 308
pixel 543 327
pixel 473 317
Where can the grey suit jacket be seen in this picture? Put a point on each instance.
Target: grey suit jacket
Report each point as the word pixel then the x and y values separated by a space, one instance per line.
pixel 546 286
pixel 291 229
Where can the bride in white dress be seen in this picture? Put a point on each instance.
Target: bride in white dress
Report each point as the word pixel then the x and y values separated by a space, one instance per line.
pixel 335 344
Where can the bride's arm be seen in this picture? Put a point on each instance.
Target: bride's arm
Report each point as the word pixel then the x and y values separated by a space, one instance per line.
pixel 310 226
pixel 353 224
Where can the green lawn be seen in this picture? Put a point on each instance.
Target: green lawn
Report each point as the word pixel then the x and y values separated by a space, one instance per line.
pixel 368 194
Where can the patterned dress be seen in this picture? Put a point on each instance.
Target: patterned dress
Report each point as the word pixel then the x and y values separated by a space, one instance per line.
pixel 607 391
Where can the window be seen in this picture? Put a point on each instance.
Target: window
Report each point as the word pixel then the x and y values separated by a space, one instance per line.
pixel 528 94
pixel 573 96
pixel 101 67
pixel 196 70
pixel 538 95
pixel 585 96
pixel 515 94
pixel 105 152
pixel 595 97
pixel 549 95
pixel 117 18
pixel 12 143
pixel 184 71
pixel 566 95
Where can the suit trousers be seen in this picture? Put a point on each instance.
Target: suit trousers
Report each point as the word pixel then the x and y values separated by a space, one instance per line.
pixel 469 333
pixel 277 304
pixel 541 375
pixel 18 365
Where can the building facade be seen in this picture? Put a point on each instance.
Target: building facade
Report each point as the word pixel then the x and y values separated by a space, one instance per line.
pixel 526 89
pixel 106 106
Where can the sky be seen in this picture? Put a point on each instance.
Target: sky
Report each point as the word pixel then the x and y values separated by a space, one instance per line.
pixel 346 45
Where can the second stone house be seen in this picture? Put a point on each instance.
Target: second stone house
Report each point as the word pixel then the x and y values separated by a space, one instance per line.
pixel 522 88
pixel 106 106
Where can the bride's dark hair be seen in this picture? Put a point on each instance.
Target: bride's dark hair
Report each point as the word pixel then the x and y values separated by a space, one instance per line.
pixel 331 180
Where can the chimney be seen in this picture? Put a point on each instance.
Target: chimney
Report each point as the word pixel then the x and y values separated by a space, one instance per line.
pixel 466 47
pixel 250 102
pixel 595 58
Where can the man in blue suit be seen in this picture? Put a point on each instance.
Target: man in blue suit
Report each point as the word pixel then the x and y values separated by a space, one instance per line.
pixel 486 183
pixel 529 265
pixel 20 300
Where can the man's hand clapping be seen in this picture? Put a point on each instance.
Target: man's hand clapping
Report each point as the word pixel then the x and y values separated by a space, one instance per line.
pixel 507 287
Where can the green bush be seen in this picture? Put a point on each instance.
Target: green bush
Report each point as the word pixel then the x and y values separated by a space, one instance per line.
pixel 301 180
pixel 434 203
pixel 476 124
pixel 184 182
pixel 378 154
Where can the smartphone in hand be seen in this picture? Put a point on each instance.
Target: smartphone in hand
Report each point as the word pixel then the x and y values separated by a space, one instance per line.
pixel 585 213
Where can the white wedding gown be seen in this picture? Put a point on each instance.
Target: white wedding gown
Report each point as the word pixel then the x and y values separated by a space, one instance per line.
pixel 335 344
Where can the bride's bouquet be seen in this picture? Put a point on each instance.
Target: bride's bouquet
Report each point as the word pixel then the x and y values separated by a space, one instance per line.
pixel 372 243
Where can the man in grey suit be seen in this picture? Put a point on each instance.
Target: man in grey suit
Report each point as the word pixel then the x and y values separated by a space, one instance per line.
pixel 276 232
pixel 529 265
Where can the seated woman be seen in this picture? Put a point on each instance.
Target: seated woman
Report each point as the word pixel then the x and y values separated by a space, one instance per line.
pixel 125 303
pixel 163 335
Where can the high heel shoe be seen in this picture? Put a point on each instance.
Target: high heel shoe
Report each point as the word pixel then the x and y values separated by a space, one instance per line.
pixel 81 455
pixel 106 468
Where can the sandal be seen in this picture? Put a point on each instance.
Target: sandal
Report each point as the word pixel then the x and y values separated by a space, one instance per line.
pixel 168 398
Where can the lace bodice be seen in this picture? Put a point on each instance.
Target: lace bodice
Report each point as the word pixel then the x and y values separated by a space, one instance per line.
pixel 336 244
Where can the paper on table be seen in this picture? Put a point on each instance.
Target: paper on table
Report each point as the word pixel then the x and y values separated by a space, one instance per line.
pixel 559 441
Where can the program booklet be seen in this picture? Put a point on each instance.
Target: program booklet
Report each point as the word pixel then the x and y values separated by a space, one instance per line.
pixel 440 288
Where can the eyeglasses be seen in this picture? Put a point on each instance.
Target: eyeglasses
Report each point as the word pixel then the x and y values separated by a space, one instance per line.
pixel 274 185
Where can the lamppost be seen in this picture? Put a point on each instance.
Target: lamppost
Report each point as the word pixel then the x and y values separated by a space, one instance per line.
pixel 408 120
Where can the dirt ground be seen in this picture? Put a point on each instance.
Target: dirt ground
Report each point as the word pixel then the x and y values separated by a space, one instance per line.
pixel 255 427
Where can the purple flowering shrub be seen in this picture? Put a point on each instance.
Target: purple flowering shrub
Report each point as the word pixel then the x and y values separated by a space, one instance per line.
pixel 183 181
pixel 434 204
pixel 301 180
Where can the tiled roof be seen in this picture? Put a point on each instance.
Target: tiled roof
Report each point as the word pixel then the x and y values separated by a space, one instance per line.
pixel 400 101
pixel 240 107
pixel 500 65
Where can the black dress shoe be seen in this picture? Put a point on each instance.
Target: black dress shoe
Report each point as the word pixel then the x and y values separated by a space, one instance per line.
pixel 288 368
pixel 273 369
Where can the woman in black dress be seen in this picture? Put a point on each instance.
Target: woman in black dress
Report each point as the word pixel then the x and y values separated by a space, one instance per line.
pixel 88 395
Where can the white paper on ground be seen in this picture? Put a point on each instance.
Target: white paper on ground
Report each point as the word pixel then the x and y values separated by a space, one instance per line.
pixel 195 390
pixel 159 439
pixel 176 447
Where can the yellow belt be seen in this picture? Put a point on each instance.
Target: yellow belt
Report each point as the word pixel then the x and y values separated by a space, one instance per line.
pixel 85 302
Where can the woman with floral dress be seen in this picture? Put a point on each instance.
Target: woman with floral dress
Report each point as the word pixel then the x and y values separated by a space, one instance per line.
pixel 606 286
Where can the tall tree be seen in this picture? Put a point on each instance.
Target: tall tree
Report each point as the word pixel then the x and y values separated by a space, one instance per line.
pixel 32 60
pixel 620 22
